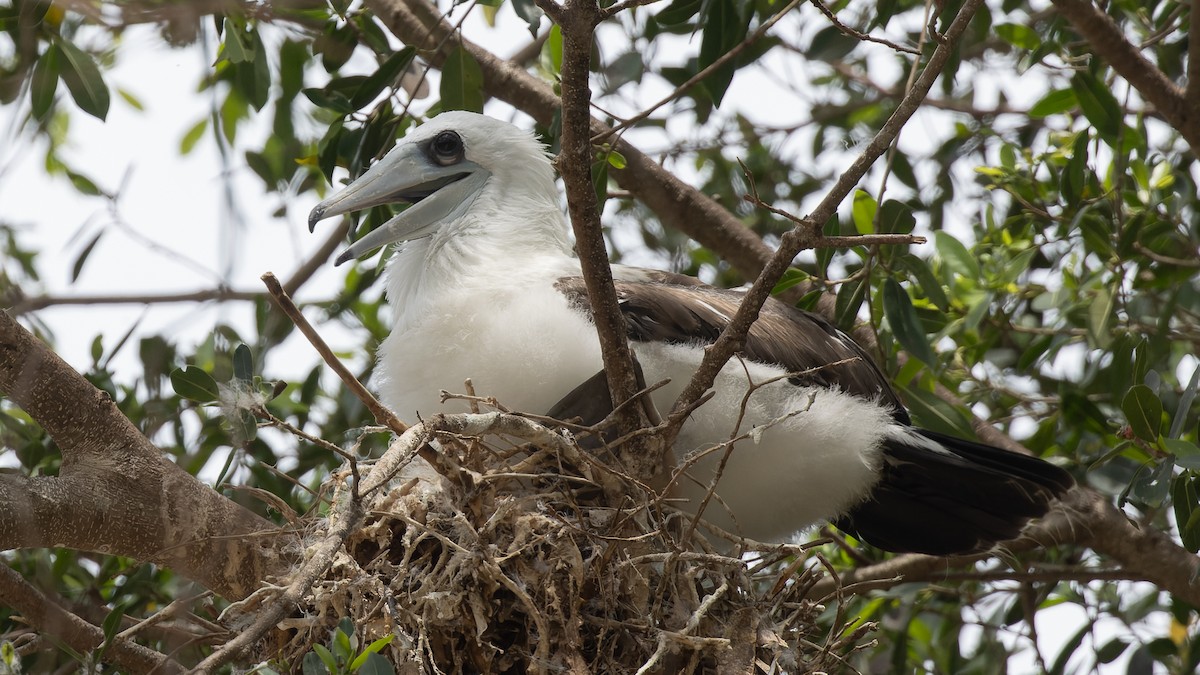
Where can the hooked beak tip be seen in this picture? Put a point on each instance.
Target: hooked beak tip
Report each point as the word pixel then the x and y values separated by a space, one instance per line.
pixel 345 256
pixel 314 217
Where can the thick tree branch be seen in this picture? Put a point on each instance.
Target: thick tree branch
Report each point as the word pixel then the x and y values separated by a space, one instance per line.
pixel 1105 37
pixel 49 618
pixel 116 493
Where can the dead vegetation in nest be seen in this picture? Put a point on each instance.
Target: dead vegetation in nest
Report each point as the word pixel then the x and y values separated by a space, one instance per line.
pixel 523 553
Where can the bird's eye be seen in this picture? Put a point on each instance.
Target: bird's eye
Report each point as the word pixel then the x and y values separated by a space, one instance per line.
pixel 446 148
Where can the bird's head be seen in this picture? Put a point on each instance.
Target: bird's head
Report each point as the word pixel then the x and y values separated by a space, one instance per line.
pixel 441 168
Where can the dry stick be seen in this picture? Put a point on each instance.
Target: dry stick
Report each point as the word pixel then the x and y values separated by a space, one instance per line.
pixel 859 35
pixel 382 414
pixel 51 619
pixel 802 237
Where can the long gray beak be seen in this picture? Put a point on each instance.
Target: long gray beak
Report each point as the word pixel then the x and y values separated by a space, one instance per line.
pixel 437 193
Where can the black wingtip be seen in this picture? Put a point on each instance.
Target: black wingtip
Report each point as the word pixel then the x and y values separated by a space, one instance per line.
pixel 963 499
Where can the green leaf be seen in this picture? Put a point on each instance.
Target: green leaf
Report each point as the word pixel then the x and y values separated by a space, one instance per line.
pixel 955 255
pixel 725 25
pixel 1187 454
pixel 1069 647
pixel 901 316
pixel 243 426
pixel 678 13
pixel 326 657
pixel 1055 103
pixel 896 217
pixel 374 664
pixel 830 44
pixel 1100 317
pixel 863 211
pixel 195 384
pixel 462 82
pixel 132 100
pixel 44 82
pixel 1152 487
pixel 330 100
pixel 386 75
pixel 192 136
pixel 1098 104
pixel 554 48
pixel 849 298
pixel 617 160
pixel 792 276
pixel 313 664
pixel 1110 650
pixel 234 48
pixel 243 363
pixel 372 648
pixel 1185 499
pixel 926 281
pixel 254 77
pixel 83 80
pixel 530 13
pixel 1143 410
pixel 600 183
pixel 84 184
pixel 77 268
pixel 1018 35
pixel 935 414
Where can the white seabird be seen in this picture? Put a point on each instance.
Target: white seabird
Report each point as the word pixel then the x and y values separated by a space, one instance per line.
pixel 486 287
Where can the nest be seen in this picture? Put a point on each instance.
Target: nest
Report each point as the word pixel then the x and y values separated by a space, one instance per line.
pixel 532 556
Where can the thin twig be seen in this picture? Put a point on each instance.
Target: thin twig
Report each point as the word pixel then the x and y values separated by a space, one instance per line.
pixel 859 35
pixel 381 413
pixel 801 237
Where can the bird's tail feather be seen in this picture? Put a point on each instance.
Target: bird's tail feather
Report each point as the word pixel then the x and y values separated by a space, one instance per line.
pixel 943 495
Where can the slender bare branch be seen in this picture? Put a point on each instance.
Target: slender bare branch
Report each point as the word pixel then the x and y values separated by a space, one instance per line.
pixel 804 236
pixel 859 35
pixel 382 414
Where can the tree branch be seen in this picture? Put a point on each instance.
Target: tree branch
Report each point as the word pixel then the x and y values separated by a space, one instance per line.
pixel 298 278
pixel 578 21
pixel 116 493
pixel 1105 37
